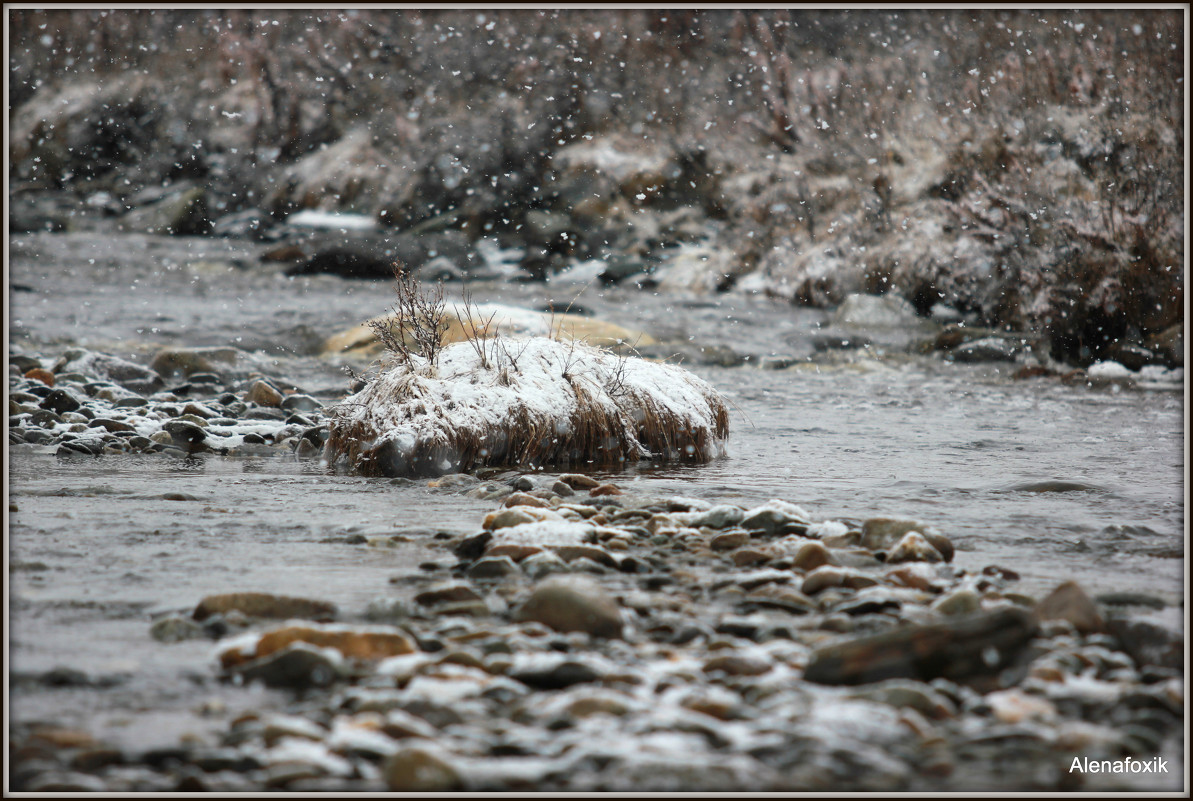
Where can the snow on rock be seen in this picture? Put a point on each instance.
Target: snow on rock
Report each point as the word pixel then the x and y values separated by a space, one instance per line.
pixel 496 319
pixel 526 402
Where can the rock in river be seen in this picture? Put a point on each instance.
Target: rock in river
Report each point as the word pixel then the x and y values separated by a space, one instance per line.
pixel 534 401
pixel 261 604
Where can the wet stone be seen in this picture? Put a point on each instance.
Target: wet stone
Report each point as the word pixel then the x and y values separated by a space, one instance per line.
pixel 1069 602
pixel 974 645
pixel 880 533
pixel 716 517
pixel 573 604
pixel 822 578
pixel 540 565
pixel 579 481
pixel 298 666
pixel 921 697
pixel 111 425
pixel 989 349
pixel 259 604
pixel 42 375
pixel 913 547
pixel 1150 645
pixel 449 592
pixel 493 567
pixel 961 602
pixel 185 435
pixel 60 401
pixel 299 402
pixel 523 499
pixel 421 770
pixel 265 413
pixel 264 394
pixel 175 629
pixel 79 447
pixel 769 521
pixel 728 540
pixel 737 664
pixel 810 556
pixel 45 418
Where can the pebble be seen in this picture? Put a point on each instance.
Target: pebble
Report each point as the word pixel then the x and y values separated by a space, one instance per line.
pixel 61 401
pixel 518 515
pixel 879 533
pixel 579 481
pixel 493 567
pixel 523 499
pixel 717 517
pixel 448 592
pixel 42 375
pixel 421 770
pixel 821 578
pixel 720 680
pixel 810 556
pixel 298 402
pixel 542 564
pixel 298 666
pixel 265 605
pixel 572 603
pixel 263 394
pixel 773 521
pixel 186 435
pixel 961 602
pixel 728 540
pixel 913 547
pixel 737 664
pixel 362 644
pixel 1069 602
pixel 175 629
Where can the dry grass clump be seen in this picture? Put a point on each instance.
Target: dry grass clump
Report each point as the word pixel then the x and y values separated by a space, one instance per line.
pixel 565 404
pixel 526 402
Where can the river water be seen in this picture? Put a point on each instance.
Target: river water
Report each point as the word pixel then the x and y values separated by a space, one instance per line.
pixel 1051 480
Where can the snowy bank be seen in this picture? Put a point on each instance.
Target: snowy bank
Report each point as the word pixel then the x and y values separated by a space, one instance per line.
pixel 526 402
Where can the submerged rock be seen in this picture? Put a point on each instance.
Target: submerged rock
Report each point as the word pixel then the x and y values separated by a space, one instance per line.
pixel 494 320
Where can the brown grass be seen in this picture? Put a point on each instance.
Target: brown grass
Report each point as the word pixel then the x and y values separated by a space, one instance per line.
pixel 593 434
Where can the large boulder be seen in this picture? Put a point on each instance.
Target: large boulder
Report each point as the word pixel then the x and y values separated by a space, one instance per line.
pixel 357 172
pixel 526 402
pixel 493 319
pixel 84 128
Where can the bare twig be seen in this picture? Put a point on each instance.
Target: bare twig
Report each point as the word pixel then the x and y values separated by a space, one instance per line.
pixel 476 338
pixel 416 322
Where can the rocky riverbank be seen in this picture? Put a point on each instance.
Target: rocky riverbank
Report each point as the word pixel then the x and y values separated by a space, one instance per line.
pixel 1017 168
pixel 586 636
pixel 578 641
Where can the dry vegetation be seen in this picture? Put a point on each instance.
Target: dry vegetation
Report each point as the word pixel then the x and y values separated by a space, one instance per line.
pixel 531 402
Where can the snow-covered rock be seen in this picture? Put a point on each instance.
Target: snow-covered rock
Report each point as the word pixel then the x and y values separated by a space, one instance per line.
pixel 529 402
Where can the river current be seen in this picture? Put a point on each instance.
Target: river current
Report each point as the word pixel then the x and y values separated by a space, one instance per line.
pixel 1051 480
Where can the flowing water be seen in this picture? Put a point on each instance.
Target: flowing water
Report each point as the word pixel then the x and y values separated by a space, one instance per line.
pixel 1051 480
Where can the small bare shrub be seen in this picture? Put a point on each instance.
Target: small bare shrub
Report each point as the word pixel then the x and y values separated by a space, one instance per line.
pixel 416 323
